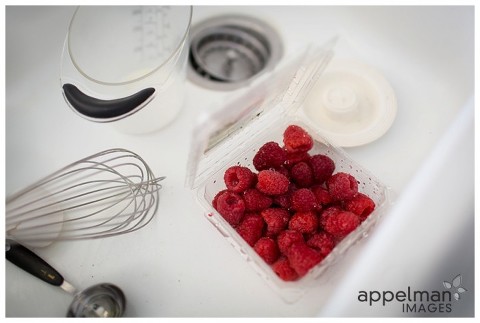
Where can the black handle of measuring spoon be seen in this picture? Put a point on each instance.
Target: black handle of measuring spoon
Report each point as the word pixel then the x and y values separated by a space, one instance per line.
pixel 31 263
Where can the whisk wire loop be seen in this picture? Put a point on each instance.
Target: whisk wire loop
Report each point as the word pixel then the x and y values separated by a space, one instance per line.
pixel 109 193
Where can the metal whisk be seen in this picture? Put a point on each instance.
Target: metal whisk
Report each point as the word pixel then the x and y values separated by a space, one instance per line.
pixel 106 194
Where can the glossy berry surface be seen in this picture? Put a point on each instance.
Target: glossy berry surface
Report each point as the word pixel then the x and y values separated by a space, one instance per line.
pixel 276 220
pixel 302 258
pixel 238 179
pixel 251 228
pixel 342 223
pixel 322 167
pixel 303 200
pixel 231 206
pixel 304 222
pixel 271 182
pixel 342 186
pixel 283 269
pixel 267 249
pixel 270 155
pixel 256 200
pixel 296 139
pixel 361 205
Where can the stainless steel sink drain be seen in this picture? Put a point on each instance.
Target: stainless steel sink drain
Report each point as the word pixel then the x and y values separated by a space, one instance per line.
pixel 228 52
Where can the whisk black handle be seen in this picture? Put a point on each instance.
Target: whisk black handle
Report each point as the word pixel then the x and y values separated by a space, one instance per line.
pixel 31 263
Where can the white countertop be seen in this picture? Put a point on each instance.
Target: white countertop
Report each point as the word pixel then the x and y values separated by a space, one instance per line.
pixel 179 266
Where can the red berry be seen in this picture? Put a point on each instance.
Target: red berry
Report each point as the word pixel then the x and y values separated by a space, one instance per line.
pixel 322 195
pixel 231 206
pixel 304 200
pixel 322 167
pixel 283 269
pixel 327 213
pixel 271 182
pixel 276 220
pixel 215 198
pixel 342 186
pixel 285 200
pixel 267 249
pixel 270 155
pixel 303 222
pixel 323 242
pixel 238 179
pixel 286 238
pixel 361 205
pixel 283 170
pixel 256 200
pixel 341 224
pixel 251 228
pixel 302 258
pixel 302 174
pixel 296 139
pixel 296 157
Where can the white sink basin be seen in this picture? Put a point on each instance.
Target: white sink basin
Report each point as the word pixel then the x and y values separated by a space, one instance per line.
pixel 179 265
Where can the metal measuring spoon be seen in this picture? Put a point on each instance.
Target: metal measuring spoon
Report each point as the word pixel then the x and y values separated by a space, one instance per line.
pixel 101 300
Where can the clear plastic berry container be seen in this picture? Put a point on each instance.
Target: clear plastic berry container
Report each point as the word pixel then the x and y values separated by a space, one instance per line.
pixel 233 135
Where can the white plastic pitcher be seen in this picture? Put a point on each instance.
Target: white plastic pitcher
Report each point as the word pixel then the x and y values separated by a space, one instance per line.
pixel 127 64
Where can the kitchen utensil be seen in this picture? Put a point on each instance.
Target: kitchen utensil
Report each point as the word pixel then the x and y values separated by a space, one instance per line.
pixel 101 300
pixel 127 64
pixel 109 193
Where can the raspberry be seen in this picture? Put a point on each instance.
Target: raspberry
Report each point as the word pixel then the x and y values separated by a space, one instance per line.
pixel 323 242
pixel 238 178
pixel 285 200
pixel 296 139
pixel 270 155
pixel 342 186
pixel 215 199
pixel 267 249
pixel 296 157
pixel 303 222
pixel 286 238
pixel 251 228
pixel 304 200
pixel 322 195
pixel 302 258
pixel 276 220
pixel 327 213
pixel 231 206
pixel 302 174
pixel 283 170
pixel 361 205
pixel 322 167
pixel 283 269
pixel 342 223
pixel 271 182
pixel 256 200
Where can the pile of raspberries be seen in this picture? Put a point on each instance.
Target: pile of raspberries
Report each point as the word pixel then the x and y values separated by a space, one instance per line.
pixel 295 209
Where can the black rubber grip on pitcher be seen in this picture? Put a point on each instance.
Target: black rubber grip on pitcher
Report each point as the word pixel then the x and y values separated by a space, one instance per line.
pixel 104 109
pixel 31 263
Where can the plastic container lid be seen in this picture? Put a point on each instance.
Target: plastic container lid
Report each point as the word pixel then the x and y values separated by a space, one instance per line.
pixel 352 103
